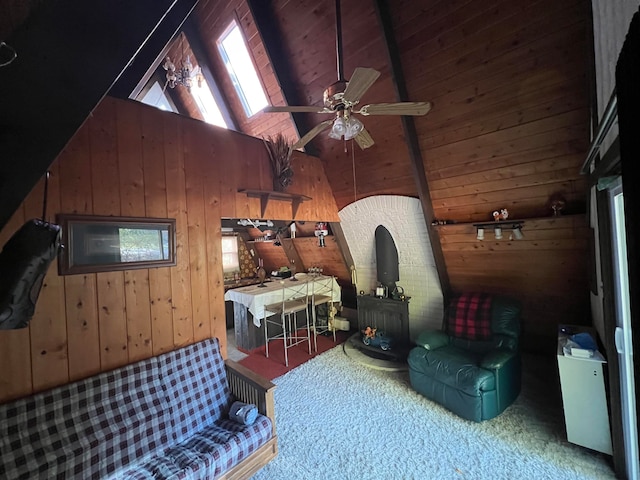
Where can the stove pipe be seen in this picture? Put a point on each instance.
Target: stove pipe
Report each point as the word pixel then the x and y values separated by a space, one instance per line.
pixel 386 259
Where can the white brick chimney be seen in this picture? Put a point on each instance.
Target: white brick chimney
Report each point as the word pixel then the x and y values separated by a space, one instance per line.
pixel 403 218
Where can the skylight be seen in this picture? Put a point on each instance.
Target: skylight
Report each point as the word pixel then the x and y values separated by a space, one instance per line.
pixel 207 104
pixel 241 70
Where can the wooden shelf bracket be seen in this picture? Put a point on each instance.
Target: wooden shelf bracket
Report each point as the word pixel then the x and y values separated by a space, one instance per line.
pixel 265 195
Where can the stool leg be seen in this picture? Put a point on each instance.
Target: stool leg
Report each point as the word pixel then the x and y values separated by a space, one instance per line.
pixel 309 333
pixel 266 337
pixel 314 316
pixel 333 326
pixel 284 339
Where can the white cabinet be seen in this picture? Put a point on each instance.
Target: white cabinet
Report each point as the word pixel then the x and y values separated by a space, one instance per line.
pixel 584 398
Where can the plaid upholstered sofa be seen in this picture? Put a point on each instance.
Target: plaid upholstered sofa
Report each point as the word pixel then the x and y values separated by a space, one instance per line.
pixel 165 417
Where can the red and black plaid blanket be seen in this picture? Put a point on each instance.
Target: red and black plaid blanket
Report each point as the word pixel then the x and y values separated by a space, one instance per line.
pixel 470 316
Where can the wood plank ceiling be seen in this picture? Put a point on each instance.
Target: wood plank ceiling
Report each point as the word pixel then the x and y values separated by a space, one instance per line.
pixel 509 83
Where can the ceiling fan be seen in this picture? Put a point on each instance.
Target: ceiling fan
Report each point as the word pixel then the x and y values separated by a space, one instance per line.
pixel 341 98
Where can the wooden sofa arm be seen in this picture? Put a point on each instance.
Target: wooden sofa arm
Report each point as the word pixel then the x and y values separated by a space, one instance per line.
pixel 249 387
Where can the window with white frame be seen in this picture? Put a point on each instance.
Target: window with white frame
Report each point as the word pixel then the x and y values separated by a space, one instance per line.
pixel 230 259
pixel 234 53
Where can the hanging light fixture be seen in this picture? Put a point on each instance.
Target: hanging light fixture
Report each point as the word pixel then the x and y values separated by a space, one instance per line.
pixel 184 76
pixel 338 129
pixel 354 127
pixel 345 126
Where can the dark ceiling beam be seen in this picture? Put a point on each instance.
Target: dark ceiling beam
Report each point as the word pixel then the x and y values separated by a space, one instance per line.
pixel 146 62
pixel 411 138
pixel 70 54
pixel 262 12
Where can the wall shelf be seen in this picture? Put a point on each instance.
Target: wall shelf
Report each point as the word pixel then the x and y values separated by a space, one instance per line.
pixel 533 222
pixel 501 223
pixel 265 195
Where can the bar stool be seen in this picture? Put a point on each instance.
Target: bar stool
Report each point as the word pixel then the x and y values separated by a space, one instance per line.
pixel 284 314
pixel 322 293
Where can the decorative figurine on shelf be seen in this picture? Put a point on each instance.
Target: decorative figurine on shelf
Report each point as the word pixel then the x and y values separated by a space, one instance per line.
pixel 262 273
pixel 503 214
pixel 557 202
pixel 292 268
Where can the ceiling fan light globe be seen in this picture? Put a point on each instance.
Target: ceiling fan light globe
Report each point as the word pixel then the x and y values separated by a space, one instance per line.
pixel 335 136
pixel 354 127
pixel 339 127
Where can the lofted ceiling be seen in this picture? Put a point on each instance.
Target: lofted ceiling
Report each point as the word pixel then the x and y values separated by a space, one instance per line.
pixel 508 82
pixel 298 41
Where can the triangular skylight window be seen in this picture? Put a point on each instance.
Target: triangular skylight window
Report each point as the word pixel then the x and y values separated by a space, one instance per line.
pixel 157 97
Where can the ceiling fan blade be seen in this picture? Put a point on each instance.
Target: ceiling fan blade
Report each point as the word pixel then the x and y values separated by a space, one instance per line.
pixel 363 139
pixel 304 108
pixel 311 133
pixel 360 82
pixel 402 108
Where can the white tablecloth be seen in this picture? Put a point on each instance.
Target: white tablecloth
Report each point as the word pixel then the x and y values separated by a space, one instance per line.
pixel 255 298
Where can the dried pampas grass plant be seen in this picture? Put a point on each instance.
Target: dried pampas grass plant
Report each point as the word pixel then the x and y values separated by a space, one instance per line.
pixel 279 150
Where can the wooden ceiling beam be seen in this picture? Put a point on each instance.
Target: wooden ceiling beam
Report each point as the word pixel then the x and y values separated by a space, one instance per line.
pixel 411 138
pixel 262 12
pixel 69 55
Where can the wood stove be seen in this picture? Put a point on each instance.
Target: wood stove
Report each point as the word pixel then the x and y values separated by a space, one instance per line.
pixel 386 315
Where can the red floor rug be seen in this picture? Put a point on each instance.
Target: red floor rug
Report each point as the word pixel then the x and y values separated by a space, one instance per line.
pixel 273 366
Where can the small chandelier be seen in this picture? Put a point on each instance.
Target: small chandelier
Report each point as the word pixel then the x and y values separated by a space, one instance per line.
pixel 184 76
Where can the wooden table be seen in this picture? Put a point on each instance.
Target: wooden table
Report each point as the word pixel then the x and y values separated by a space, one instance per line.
pixel 249 303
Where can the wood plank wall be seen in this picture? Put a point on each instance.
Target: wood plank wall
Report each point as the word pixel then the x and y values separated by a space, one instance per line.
pixel 548 270
pixel 509 128
pixel 133 160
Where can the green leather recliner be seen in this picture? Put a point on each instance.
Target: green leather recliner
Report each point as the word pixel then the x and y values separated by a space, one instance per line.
pixel 475 379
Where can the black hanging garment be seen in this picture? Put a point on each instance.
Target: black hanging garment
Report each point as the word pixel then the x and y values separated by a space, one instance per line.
pixel 24 262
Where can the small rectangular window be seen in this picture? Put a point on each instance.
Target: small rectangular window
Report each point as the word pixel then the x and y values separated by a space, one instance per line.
pixel 104 244
pixel 230 260
pixel 235 55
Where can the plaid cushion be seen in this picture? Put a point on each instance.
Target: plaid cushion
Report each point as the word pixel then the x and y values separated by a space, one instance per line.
pixel 206 454
pixel 470 316
pixel 196 387
pixel 87 429
pixel 123 423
